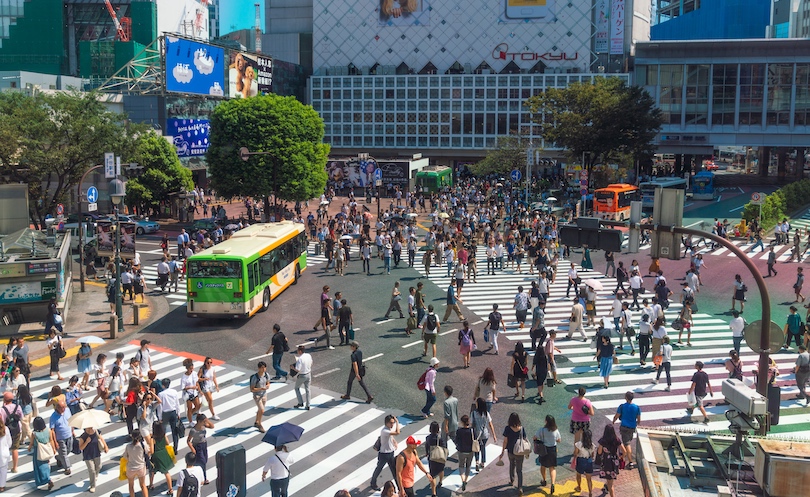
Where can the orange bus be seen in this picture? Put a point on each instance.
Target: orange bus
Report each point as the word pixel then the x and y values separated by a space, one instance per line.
pixel 613 201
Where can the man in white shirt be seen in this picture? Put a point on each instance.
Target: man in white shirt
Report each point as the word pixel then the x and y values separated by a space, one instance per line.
pixel 626 323
pixel 126 283
pixel 388 445
pixel 163 273
pixel 635 287
pixel 575 321
pixel 499 254
pixel 144 358
pixel 303 365
pixel 169 405
pixel 572 281
pixel 737 325
pixel 693 281
pixel 191 470
pixel 491 258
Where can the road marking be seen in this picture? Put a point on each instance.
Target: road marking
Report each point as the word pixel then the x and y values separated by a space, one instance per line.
pixel 718 199
pixel 258 357
pixel 477 322
pixel 737 208
pixel 741 190
pixel 694 224
pixel 690 203
pixel 326 372
pixel 412 344
pixel 372 357
pixel 448 332
pixel 385 320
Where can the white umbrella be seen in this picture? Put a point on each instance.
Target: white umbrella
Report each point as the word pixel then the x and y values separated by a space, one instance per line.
pixel 346 237
pixel 595 284
pixel 325 202
pixel 91 339
pixel 551 199
pixel 444 215
pixel 89 418
pixel 412 215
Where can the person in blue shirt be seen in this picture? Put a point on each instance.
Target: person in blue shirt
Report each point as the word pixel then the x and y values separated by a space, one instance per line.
pixel 64 434
pixel 452 303
pixel 630 416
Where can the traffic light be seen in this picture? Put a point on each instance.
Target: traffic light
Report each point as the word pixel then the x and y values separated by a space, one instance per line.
pixel 588 233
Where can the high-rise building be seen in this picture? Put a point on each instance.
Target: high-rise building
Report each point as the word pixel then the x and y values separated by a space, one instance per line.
pixel 710 20
pixel 789 19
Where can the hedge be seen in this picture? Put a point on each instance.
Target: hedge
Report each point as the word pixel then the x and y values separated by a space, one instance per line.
pixel 779 204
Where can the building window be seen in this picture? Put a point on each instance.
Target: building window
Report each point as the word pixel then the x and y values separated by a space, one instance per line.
pixel 802 111
pixel 780 83
pixel 671 98
pixel 724 93
pixel 697 94
pixel 752 80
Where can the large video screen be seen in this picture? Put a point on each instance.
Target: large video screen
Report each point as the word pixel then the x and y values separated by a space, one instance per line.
pixel 249 75
pixel 189 136
pixel 193 67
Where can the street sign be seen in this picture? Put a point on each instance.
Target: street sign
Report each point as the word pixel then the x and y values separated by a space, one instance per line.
pixel 109 165
pixel 60 209
pixel 757 198
pixel 752 336
pixel 92 207
pixel 378 174
pixel 583 174
pixel 92 195
pixel 515 175
pixel 584 191
pixel 583 182
pixel 244 153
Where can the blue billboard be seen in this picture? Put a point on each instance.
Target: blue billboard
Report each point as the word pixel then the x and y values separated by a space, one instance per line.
pixel 189 136
pixel 193 67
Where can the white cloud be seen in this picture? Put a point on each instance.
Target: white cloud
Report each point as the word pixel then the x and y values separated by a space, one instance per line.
pixel 203 62
pixel 182 73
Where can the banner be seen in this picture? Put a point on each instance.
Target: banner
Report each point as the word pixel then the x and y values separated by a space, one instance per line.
pixel 29 291
pixel 193 67
pixel 616 27
pixel 105 234
pixel 351 173
pixel 189 136
pixel 249 75
pixel 602 27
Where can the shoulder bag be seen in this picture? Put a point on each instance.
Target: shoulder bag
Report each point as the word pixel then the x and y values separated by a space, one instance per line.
pixel 45 451
pixel 438 454
pixel 522 446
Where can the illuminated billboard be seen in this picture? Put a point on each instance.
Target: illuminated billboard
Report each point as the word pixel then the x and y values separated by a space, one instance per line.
pixel 249 75
pixel 183 17
pixel 189 136
pixel 193 67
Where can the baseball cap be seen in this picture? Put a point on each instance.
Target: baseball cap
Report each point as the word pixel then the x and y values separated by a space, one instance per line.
pixel 434 361
pixel 409 441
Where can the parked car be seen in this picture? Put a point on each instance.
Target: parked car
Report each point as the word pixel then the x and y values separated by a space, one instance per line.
pixel 143 224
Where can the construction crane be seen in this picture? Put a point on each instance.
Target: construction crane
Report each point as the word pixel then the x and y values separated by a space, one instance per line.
pixel 122 27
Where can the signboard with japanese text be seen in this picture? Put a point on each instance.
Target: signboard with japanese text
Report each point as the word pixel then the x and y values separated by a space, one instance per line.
pixel 28 291
pixel 189 136
pixel 249 75
pixel 616 27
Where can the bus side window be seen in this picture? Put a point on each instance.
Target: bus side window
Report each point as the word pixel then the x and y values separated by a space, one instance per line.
pixel 251 277
pixel 267 266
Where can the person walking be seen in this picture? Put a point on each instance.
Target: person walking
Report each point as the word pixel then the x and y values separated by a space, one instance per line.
pixel 396 296
pixel 573 281
pixel 466 342
pixel 486 388
pixel 198 443
pixel 519 369
pixel 549 436
pixel 734 365
pixel 699 387
pixel 169 406
pixel 63 434
pixel 278 465
pixel 326 312
pixel 162 461
pixel 737 326
pixel 91 443
pixel 436 462
pixel 636 287
pixel 55 352
pixel 464 445
pixel 659 331
pixel 626 327
pixel 629 415
pixel 84 364
pixel 666 363
pixel 138 463
pixel 685 322
pixel 513 432
pixel 494 325
pixel 583 461
pixel 452 303
pixel 407 460
pixel 430 387
pixel 450 423
pixel 42 438
pixel 521 306
pixel 29 411
pixel 605 352
pixel 538 331
pixel 207 378
pixel 345 320
pixel 540 367
pixel 482 430
pixel 357 372
pixel 303 377
pixel 797 286
pixel 430 330
pixel 802 372
pixel 644 337
pixel 771 262
pixel 388 445
pixel 581 414
pixel 611 451
pixel 419 300
pixel 188 480
pixel 279 345
pixel 190 387
pixel 792 328
pixel 575 321
pixel 739 293
pixel 259 384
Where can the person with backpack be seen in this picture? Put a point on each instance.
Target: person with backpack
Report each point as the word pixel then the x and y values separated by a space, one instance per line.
pixel 278 345
pixel 427 382
pixel 138 463
pixel 466 342
pixel 278 465
pixel 12 415
pixel 494 325
pixel 430 330
pixel 734 365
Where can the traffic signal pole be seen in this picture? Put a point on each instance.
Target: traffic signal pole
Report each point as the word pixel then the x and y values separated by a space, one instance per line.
pixel 764 333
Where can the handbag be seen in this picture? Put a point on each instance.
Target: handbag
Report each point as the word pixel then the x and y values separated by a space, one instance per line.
pixel 362 370
pixel 122 469
pixel 61 350
pixel 57 319
pixel 75 447
pixel 677 324
pixel 293 372
pixel 45 451
pixel 486 334
pixel 657 360
pixel 350 333
pixel 476 446
pixel 510 381
pixel 438 454
pixel 631 332
pixel 540 448
pixel 378 444
pixel 522 446
pixel 615 360
pixel 170 451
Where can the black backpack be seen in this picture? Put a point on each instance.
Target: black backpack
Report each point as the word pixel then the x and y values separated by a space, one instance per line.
pixel 13 421
pixel 431 322
pixel 190 485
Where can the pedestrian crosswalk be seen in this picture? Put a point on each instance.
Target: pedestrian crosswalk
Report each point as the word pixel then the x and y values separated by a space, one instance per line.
pixel 335 451
pixel 320 258
pixel 711 339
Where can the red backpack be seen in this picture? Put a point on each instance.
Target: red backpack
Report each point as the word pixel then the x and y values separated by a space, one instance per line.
pixel 422 382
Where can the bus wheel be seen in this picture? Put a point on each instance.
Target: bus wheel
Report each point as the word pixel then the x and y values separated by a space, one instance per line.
pixel 297 274
pixel 266 299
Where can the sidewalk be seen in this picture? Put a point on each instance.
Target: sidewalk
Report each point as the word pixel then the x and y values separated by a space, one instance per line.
pixel 89 315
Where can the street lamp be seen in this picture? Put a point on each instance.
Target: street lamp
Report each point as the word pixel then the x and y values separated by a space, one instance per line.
pixel 117 194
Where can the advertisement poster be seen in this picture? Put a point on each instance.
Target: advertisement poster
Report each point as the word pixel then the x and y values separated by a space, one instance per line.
pixel 249 75
pixel 350 173
pixel 184 17
pixel 30 291
pixel 193 67
pixel 395 173
pixel 404 12
pixel 616 27
pixel 189 136
pixel 105 234
pixel 602 26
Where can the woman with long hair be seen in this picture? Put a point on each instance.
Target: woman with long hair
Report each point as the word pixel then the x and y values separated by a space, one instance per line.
pixel 482 430
pixel 84 365
pixel 513 432
pixel 102 380
pixel 198 443
pixel 734 365
pixel 549 436
pixel 208 384
pixel 29 410
pixel 605 353
pixel 436 467
pixel 486 388
pixel 161 460
pixel 137 454
pixel 583 457
pixel 610 448
pixel 132 401
pixel 520 370
pixel 42 436
pixel 5 454
pixel 191 390
pixel 54 343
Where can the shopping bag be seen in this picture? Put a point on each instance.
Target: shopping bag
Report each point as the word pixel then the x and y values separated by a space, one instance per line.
pixel 691 400
pixel 122 469
pixel 170 451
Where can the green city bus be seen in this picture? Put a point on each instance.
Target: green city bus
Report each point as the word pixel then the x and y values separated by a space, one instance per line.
pixel 433 179
pixel 243 274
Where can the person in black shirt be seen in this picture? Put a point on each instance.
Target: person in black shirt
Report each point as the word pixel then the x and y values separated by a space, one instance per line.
pixel 700 386
pixel 357 372
pixel 464 444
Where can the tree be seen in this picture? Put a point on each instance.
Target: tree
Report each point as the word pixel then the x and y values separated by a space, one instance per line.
pixel 50 140
pixel 163 174
pixel 287 134
pixel 602 119
pixel 509 154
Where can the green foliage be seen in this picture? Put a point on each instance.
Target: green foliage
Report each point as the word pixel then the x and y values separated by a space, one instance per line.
pixel 290 132
pixel 163 174
pixel 509 154
pixel 604 118
pixel 780 204
pixel 50 140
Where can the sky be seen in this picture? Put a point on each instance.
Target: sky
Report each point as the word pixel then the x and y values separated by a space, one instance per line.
pixel 238 14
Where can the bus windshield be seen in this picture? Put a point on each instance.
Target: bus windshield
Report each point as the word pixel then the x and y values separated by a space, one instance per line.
pixel 214 269
pixel 604 195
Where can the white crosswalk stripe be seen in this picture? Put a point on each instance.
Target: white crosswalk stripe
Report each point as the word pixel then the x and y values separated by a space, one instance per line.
pixel 576 365
pixel 312 259
pixel 175 298
pixel 334 452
